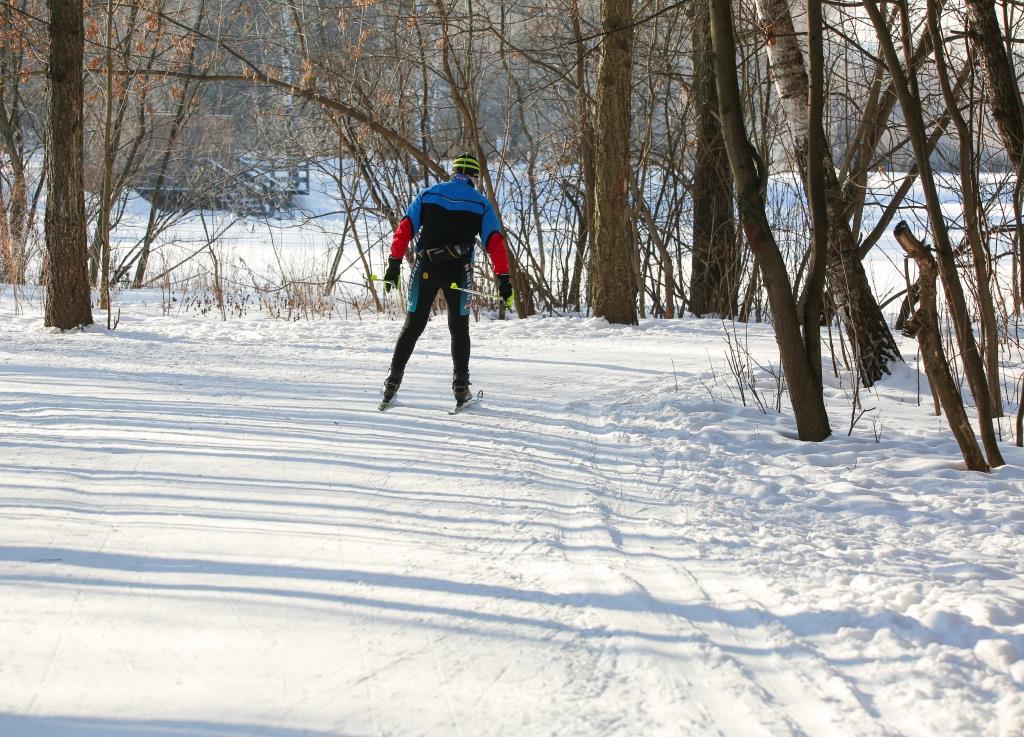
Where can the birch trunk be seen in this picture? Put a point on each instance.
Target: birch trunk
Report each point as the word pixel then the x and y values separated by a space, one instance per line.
pixel 848 283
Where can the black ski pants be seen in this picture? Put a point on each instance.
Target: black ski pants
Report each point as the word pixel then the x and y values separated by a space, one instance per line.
pixel 425 282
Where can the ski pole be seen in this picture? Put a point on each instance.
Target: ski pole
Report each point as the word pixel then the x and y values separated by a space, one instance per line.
pixel 374 277
pixel 508 302
pixel 457 288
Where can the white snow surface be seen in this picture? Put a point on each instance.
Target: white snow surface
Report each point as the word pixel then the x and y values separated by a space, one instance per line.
pixel 208 529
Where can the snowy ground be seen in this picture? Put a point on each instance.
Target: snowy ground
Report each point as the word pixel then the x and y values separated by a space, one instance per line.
pixel 207 529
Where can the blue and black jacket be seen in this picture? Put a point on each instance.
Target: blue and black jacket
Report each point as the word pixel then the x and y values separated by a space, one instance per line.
pixel 452 213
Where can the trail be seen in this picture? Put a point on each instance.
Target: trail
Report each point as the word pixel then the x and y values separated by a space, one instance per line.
pixel 209 529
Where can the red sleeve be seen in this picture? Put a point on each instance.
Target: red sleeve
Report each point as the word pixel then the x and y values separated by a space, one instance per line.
pixel 400 241
pixel 496 250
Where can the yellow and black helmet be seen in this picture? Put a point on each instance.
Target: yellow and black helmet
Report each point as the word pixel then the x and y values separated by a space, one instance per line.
pixel 466 164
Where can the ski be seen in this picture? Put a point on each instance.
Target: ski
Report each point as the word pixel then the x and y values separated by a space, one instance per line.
pixel 472 400
pixel 459 407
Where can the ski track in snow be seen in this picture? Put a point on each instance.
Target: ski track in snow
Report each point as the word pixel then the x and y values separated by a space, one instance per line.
pixel 209 529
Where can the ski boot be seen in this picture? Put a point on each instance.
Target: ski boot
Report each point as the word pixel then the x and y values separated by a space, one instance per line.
pixel 390 389
pixel 460 387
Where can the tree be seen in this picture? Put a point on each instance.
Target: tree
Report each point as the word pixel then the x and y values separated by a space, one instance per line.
pixel 716 273
pixel 804 381
pixel 612 271
pixel 67 275
pixel 811 300
pixel 971 210
pixel 584 125
pixel 907 89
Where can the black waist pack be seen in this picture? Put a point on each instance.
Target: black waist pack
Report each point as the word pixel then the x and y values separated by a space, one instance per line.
pixel 444 254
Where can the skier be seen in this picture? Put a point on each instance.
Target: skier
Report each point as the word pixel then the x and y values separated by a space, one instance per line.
pixel 448 217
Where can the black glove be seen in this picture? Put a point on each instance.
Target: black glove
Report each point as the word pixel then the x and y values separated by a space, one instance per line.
pixel 505 288
pixel 393 273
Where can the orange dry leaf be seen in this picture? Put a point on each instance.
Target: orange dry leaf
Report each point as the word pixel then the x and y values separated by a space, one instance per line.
pixel 307 82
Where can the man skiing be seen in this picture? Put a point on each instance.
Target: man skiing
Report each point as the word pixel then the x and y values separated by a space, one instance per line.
pixel 447 218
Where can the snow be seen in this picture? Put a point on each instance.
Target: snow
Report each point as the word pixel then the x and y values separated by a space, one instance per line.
pixel 207 529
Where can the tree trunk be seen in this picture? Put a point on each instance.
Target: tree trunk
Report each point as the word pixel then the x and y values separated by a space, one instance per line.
pixel 999 78
pixel 848 283
pixel 805 390
pixel 613 280
pixel 109 155
pixel 586 133
pixel 717 261
pixel 812 300
pixel 971 210
pixel 67 276
pixel 924 325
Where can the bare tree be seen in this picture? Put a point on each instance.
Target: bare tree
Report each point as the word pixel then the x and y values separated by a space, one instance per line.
pixel 804 380
pixel 907 89
pixel 971 209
